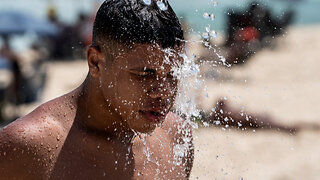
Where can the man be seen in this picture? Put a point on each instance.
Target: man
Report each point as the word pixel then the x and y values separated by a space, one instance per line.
pixel 227 116
pixel 96 131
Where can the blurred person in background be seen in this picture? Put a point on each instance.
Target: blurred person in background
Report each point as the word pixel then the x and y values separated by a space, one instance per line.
pixel 13 94
pixel 33 69
pixel 62 44
pixel 251 30
pixel 6 75
pixel 72 39
pixel 82 30
pixel 23 76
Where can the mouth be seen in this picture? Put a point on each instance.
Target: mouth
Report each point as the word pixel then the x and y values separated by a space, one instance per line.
pixel 154 116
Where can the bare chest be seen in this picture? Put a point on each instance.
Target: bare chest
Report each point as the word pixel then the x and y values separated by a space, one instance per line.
pixel 94 158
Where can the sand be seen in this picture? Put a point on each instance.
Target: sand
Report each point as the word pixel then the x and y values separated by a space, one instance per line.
pixel 282 82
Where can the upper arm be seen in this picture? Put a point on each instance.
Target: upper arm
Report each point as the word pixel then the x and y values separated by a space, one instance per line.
pixel 19 158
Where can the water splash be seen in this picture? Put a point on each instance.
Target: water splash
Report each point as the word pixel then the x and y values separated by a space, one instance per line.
pixel 162 6
pixel 147 2
pixel 146 149
pixel 190 84
pixel 205 35
pixel 209 16
pixel 213 34
pixel 206 15
pixel 187 75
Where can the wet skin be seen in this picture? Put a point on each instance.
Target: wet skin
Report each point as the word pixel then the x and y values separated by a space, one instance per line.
pixel 88 133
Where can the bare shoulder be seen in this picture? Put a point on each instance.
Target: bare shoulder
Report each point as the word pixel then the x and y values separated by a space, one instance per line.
pixel 177 127
pixel 25 143
pixel 181 132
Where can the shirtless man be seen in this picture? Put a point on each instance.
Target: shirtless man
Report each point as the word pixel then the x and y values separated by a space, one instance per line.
pixel 93 131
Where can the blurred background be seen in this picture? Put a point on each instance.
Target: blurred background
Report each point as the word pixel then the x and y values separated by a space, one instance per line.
pixel 259 65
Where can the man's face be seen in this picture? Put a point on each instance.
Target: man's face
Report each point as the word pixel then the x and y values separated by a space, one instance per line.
pixel 138 84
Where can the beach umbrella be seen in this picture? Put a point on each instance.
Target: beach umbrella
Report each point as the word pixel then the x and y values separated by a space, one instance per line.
pixel 14 22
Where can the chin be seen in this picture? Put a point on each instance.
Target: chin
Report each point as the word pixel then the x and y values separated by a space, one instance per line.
pixel 143 124
pixel 146 128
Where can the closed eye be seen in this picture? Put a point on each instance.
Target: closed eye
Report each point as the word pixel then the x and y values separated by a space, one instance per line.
pixel 144 72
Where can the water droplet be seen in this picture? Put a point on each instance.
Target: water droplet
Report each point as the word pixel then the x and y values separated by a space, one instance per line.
pixel 207 29
pixel 51 156
pixel 212 17
pixel 215 3
pixel 206 15
pixel 205 124
pixel 162 6
pixel 213 34
pixel 147 2
pixel 205 35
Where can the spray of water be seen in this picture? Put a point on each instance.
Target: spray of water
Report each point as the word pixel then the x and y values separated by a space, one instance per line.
pixel 190 86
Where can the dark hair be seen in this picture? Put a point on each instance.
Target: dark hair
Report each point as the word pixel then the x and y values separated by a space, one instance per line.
pixel 132 21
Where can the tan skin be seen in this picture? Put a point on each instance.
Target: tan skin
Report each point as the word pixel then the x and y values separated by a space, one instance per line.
pixel 88 133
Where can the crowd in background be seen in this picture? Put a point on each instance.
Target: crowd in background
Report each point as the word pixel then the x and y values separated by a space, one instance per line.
pixel 23 74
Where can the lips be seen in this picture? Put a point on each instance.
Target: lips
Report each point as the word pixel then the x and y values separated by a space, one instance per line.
pixel 154 116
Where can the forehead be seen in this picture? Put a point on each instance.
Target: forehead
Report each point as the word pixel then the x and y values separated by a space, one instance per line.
pixel 151 55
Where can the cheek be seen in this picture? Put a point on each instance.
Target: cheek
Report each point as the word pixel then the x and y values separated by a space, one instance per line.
pixel 129 93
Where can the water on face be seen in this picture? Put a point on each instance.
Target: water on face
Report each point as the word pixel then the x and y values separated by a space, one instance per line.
pixel 190 85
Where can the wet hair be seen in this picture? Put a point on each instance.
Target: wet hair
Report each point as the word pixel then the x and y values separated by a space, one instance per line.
pixel 132 21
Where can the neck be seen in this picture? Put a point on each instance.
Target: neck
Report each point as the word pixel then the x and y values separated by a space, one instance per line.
pixel 96 116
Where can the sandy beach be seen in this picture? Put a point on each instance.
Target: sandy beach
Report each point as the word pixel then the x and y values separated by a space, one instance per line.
pixel 282 82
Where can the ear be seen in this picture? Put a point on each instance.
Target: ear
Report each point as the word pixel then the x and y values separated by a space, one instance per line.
pixel 95 60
